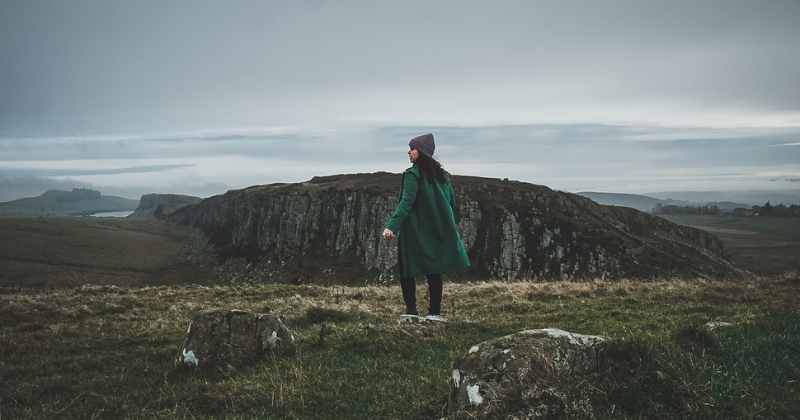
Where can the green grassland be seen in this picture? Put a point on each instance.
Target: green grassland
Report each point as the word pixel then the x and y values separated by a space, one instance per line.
pixel 70 251
pixel 66 353
pixel 761 245
pixel 71 354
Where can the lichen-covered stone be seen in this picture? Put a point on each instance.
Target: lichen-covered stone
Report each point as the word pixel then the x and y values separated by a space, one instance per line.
pixel 217 338
pixel 523 375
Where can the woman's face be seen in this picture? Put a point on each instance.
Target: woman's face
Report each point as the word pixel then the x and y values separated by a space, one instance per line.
pixel 413 154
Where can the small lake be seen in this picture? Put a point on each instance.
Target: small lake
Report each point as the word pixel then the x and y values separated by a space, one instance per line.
pixel 113 214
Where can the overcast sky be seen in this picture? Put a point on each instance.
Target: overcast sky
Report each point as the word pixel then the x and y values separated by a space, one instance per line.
pixel 198 97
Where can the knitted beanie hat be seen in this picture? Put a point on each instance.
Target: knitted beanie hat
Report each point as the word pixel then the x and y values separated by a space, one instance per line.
pixel 424 144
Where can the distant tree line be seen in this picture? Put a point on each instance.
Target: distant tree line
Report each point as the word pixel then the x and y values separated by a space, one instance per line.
pixel 778 211
pixel 672 209
pixel 766 210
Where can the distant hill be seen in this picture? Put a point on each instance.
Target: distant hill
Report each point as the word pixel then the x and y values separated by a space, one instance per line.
pixel 638 202
pixel 745 199
pixel 646 204
pixel 78 202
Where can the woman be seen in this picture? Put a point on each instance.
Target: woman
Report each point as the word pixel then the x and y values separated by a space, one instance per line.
pixel 428 240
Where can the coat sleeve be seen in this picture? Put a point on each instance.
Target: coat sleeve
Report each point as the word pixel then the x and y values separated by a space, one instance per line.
pixel 410 188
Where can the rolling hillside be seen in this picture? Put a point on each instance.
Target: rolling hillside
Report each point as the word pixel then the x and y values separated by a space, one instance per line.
pixel 78 202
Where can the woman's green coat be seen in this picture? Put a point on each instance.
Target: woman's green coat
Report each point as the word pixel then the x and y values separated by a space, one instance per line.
pixel 429 241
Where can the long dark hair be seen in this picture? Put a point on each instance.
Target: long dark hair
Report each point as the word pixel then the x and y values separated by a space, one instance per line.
pixel 431 169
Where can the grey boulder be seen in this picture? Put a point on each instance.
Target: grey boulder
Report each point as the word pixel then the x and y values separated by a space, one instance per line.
pixel 223 339
pixel 527 375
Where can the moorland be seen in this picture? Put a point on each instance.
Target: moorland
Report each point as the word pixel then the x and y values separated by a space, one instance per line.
pixel 762 245
pixel 70 353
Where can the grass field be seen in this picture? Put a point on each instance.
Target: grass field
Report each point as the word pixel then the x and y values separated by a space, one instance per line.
pixel 762 245
pixel 71 354
pixel 66 354
pixel 69 252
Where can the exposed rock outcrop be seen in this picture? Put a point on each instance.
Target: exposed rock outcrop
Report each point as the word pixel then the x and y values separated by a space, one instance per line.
pixel 525 375
pixel 328 231
pixel 219 339
pixel 159 206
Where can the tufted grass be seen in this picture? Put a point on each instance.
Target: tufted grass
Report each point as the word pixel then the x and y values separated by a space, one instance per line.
pixel 70 354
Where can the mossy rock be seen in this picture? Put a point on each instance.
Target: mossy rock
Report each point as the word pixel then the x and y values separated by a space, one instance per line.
pixel 525 375
pixel 220 339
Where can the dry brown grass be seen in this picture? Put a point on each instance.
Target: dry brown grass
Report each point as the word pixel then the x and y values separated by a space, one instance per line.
pixel 68 353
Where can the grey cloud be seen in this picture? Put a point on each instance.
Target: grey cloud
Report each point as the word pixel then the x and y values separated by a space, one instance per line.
pixel 15 187
pixel 567 157
pixel 69 172
pixel 99 66
pixel 573 94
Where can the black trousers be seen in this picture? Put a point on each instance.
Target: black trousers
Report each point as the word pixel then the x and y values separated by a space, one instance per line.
pixel 409 287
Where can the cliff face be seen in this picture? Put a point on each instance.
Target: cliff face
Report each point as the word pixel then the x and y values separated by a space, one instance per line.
pixel 158 206
pixel 328 230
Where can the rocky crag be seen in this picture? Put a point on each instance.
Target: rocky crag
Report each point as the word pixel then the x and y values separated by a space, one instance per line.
pixel 159 206
pixel 327 231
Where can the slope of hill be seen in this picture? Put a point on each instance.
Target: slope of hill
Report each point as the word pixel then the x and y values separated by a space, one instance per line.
pixel 763 245
pixel 79 201
pixel 327 230
pixel 72 251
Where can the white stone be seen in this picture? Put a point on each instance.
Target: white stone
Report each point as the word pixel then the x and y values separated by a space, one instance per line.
pixel 474 397
pixel 188 357
pixel 573 338
pixel 273 339
pixel 456 378
pixel 474 349
pixel 714 325
pixel 556 333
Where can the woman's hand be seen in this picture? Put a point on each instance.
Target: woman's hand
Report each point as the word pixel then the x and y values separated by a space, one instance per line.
pixel 388 234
